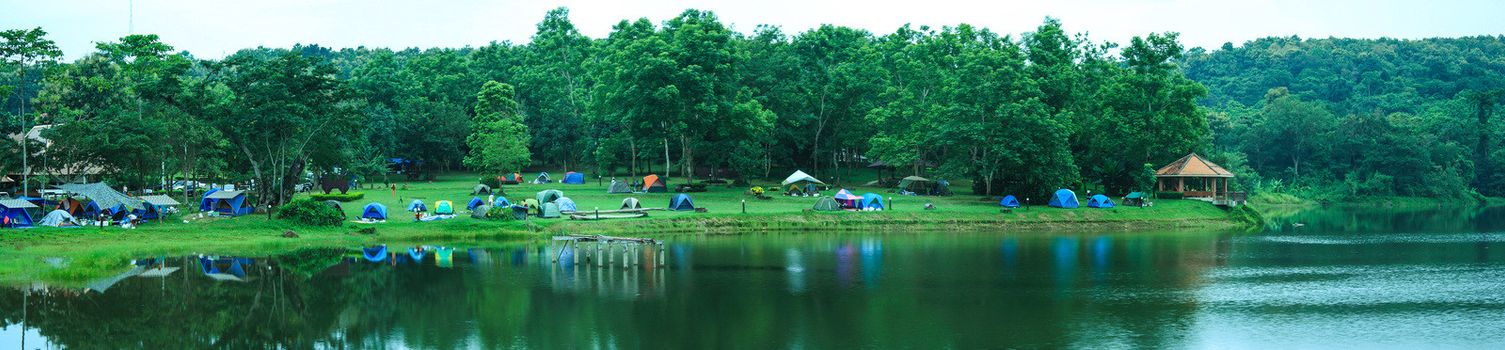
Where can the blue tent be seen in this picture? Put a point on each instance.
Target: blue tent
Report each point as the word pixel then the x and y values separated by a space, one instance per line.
pixel 1064 198
pixel 374 211
pixel 574 178
pixel 871 201
pixel 207 204
pixel 501 202
pixel 475 202
pixel 93 210
pixel 1009 201
pixel 681 202
pixel 566 204
pixel 15 211
pixel 417 253
pixel 1099 201
pixel 232 203
pixel 417 206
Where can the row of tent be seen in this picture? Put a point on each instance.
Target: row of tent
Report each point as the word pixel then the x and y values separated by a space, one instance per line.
pixel 570 178
pixel 547 203
pixel 846 200
pixel 1063 198
pixel 103 202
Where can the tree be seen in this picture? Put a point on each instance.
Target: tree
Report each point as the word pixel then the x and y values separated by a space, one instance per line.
pixel 1148 114
pixel 26 49
pixel 499 142
pixel 1289 131
pixel 555 88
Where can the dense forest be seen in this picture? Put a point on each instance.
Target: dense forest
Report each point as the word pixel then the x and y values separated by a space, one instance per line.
pixel 689 97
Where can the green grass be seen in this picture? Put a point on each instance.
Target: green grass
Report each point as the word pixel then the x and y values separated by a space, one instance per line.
pixel 93 251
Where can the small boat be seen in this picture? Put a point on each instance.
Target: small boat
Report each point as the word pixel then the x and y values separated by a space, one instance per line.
pixel 605 216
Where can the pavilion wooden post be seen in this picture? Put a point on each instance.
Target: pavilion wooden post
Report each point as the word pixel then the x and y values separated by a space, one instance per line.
pixel 1180 184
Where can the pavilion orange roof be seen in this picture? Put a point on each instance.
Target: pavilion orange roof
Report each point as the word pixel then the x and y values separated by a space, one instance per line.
pixel 1192 165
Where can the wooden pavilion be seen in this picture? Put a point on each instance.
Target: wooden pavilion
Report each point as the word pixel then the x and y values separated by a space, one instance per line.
pixel 1195 177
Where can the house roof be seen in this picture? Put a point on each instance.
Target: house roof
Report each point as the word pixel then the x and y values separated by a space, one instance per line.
pixel 1192 165
pixel 161 200
pixel 224 194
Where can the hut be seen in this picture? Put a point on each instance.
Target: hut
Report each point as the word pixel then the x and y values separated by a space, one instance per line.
pixel 1195 177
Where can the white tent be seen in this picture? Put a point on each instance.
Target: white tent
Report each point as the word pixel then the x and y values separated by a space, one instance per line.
pixel 800 176
pixel 58 218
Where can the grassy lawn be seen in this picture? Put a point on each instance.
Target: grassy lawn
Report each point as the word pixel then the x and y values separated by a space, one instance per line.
pixel 88 251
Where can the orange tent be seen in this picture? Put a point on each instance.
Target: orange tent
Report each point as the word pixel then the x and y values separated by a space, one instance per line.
pixel 652 183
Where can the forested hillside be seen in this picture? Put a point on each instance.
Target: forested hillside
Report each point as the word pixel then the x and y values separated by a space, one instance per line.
pixel 1346 117
pixel 690 97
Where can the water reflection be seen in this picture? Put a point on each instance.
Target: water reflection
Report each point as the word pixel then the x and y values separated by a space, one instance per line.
pixel 809 290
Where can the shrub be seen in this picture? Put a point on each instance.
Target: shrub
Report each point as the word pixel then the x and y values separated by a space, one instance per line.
pixel 1170 195
pixel 320 197
pixel 309 212
pixel 503 213
pixel 755 191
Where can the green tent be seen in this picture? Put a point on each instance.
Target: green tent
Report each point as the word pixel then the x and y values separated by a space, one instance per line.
pixel 827 204
pixel 532 205
pixel 548 196
pixel 550 210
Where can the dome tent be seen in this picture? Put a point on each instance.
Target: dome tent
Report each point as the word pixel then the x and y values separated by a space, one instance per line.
pixel 374 211
pixel 681 202
pixel 501 202
pixel 475 202
pixel 547 196
pixel 871 201
pixel 550 210
pixel 654 184
pixel 58 218
pixel 827 204
pixel 444 207
pixel 846 199
pixel 1064 198
pixel 574 178
pixel 417 206
pixel 1099 201
pixel 566 204
pixel 1009 201
pixel 618 187
pixel 481 189
pixel 542 178
pixel 631 203
pixel 480 211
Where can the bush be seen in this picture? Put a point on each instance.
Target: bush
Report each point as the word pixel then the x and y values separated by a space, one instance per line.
pixel 503 213
pixel 755 191
pixel 309 212
pixel 1170 195
pixel 320 197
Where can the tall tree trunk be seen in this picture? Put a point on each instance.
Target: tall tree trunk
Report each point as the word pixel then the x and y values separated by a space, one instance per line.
pixel 666 157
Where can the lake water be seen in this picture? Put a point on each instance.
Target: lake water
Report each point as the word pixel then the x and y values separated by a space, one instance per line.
pixel 1342 279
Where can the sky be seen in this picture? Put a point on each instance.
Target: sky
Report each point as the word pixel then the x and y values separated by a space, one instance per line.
pixel 215 28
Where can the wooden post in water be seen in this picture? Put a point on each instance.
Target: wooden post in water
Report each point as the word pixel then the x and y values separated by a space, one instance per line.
pixel 575 251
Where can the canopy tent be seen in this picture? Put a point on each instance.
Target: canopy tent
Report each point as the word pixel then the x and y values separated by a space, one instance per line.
pixel 631 203
pixel 374 211
pixel 547 196
pixel 417 206
pixel 444 207
pixel 800 176
pixel 542 178
pixel 871 201
pixel 1064 198
pixel 104 198
pixel 1099 201
pixel 550 210
pixel 1009 201
pixel 501 202
pixel 846 198
pixel 654 184
pixel 232 203
pixel 681 202
pixel 923 186
pixel 566 204
pixel 1134 199
pixel 618 187
pixel 480 189
pixel 154 205
pixel 58 218
pixel 827 204
pixel 574 178
pixel 475 202
pixel 480 211
pixel 14 213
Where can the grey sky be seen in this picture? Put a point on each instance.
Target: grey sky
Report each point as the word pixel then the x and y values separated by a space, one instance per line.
pixel 213 28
